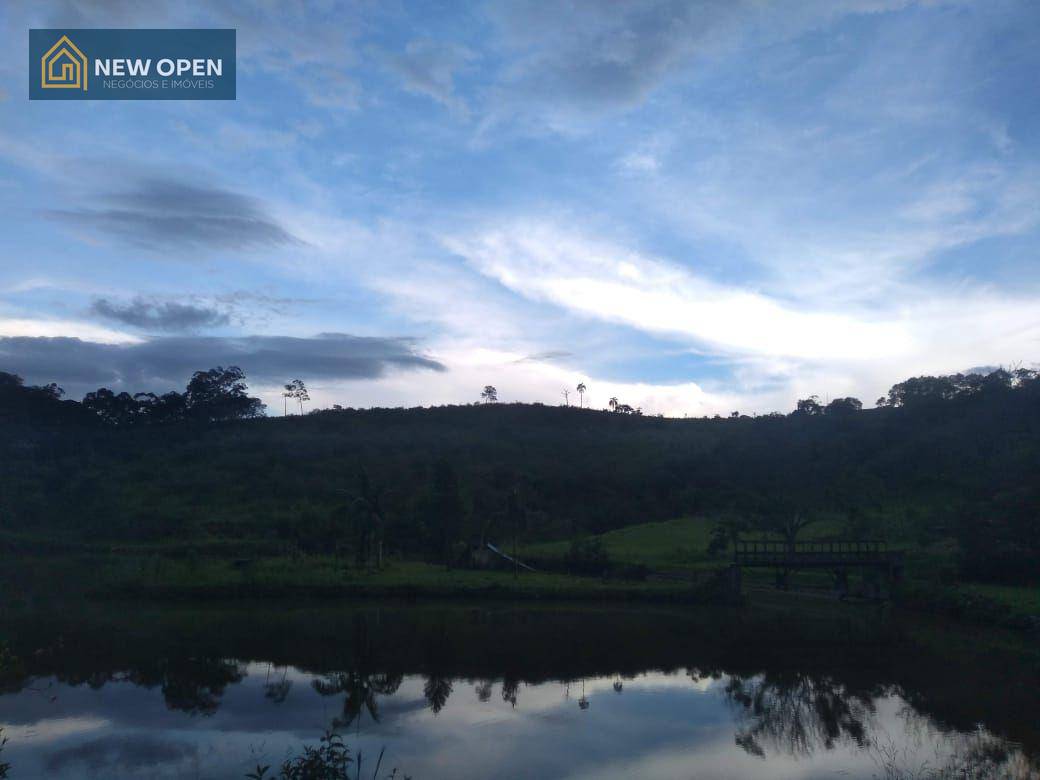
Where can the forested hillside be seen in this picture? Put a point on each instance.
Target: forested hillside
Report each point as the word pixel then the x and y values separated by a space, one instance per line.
pixel 943 458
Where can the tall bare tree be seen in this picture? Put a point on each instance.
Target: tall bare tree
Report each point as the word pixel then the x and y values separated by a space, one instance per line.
pixel 298 391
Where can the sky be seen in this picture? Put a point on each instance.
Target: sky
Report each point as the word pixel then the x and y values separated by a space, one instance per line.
pixel 695 207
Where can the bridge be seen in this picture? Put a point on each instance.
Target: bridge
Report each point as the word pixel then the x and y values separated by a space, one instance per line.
pixel 838 557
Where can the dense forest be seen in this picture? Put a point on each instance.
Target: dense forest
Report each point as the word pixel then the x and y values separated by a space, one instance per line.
pixel 953 458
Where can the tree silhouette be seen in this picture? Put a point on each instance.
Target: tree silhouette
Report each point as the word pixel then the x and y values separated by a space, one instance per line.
pixel 613 403
pixel 843 406
pixel 287 393
pixel 220 394
pixel 490 394
pixel 298 391
pixel 810 407
pixel 369 520
pixel 444 510
pixel 581 394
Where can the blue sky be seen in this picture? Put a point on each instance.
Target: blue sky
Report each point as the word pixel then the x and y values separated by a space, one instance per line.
pixel 695 207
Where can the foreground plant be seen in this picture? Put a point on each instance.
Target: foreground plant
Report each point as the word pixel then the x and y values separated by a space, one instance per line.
pixel 4 768
pixel 330 760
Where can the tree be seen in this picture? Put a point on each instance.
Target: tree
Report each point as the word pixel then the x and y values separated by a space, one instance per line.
pixel 843 406
pixel 809 407
pixel 581 394
pixel 490 394
pixel 287 393
pixel 444 510
pixel 112 409
pixel 613 403
pixel 370 521
pixel 297 390
pixel 515 518
pixel 566 397
pixel 726 532
pixel 220 394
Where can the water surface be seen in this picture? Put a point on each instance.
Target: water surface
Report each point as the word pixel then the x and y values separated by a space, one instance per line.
pixel 514 691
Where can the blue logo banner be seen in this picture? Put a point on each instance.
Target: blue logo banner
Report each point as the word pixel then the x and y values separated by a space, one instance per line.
pixel 132 65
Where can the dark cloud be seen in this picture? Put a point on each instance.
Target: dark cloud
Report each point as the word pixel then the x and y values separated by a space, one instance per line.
pixel 160 213
pixel 168 316
pixel 166 363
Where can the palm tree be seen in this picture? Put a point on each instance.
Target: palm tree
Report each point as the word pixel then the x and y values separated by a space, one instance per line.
pixel 285 399
pixel 613 403
pixel 581 394
pixel 490 394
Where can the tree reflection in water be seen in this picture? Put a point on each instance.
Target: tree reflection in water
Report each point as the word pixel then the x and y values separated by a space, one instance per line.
pixel 795 713
pixel 483 690
pixel 277 691
pixel 437 690
pixel 361 690
pixel 980 755
pixel 192 685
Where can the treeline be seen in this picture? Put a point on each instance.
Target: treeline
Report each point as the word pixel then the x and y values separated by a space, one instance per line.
pixel 945 461
pixel 216 394
pixel 222 394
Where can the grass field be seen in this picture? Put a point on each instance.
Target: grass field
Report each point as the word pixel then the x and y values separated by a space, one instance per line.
pixel 1021 600
pixel 681 543
pixel 226 569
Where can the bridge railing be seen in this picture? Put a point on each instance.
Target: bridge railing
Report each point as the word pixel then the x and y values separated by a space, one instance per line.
pixel 777 552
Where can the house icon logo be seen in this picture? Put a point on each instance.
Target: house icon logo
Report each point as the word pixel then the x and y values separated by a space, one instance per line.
pixel 63 66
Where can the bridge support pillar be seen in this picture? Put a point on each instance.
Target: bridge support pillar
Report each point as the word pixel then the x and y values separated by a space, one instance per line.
pixel 734 582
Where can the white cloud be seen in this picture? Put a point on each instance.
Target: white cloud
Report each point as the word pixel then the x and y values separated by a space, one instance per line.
pixel 783 352
pixel 639 162
pixel 595 278
pixel 69 328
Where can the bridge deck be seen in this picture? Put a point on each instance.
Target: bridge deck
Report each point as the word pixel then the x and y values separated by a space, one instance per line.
pixel 802 555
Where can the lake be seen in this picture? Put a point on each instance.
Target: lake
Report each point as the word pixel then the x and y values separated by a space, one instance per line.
pixel 504 691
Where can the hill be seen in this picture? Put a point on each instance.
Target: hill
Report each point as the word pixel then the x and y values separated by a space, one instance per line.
pixel 937 466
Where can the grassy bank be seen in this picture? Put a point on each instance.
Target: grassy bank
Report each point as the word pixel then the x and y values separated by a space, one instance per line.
pixel 324 577
pixel 242 569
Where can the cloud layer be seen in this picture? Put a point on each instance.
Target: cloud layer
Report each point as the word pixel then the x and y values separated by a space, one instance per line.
pixel 168 362
pixel 169 316
pixel 166 213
